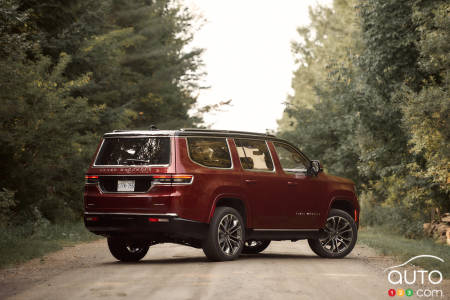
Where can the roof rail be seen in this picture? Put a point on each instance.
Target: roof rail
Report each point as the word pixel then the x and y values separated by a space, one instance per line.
pixel 225 131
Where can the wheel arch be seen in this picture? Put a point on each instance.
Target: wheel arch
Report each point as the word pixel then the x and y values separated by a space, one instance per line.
pixel 230 201
pixel 346 205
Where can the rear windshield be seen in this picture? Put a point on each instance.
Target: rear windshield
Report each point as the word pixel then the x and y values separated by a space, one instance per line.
pixel 134 151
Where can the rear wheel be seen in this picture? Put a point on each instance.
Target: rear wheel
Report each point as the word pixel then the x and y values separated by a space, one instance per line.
pixel 128 251
pixel 341 236
pixel 254 247
pixel 225 238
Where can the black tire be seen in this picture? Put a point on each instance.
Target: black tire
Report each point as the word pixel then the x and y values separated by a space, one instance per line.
pixel 127 251
pixel 255 247
pixel 341 238
pixel 229 236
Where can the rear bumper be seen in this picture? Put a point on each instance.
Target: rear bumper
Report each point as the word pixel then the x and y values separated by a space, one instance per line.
pixel 138 226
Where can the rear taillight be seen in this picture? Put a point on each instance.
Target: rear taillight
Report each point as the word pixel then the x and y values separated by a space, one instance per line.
pixel 173 179
pixel 162 179
pixel 182 179
pixel 91 178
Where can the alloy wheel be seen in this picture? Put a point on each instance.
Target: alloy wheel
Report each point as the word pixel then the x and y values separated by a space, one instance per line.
pixel 340 235
pixel 229 234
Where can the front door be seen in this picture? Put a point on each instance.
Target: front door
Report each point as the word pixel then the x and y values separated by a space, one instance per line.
pixel 302 192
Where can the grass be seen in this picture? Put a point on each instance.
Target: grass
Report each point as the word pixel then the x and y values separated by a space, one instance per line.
pixel 28 241
pixel 387 243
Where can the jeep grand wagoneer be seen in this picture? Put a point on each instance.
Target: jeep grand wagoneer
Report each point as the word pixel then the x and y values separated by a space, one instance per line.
pixel 227 192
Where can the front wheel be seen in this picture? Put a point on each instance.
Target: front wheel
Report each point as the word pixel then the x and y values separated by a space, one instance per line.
pixel 128 251
pixel 341 236
pixel 225 238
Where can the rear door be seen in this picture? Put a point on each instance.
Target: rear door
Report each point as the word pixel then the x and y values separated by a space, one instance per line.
pixel 258 178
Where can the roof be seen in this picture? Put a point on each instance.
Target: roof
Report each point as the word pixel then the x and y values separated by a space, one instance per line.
pixel 197 132
pixel 187 132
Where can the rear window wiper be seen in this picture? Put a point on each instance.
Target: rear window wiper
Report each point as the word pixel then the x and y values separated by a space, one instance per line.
pixel 133 160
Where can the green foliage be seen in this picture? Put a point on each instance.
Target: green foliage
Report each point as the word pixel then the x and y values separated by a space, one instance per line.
pixel 385 216
pixel 31 240
pixel 71 70
pixel 319 116
pixel 371 100
pixel 388 243
pixel 141 71
pixel 7 203
pixel 426 111
pixel 46 134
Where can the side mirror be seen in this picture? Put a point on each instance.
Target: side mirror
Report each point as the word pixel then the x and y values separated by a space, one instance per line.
pixel 315 168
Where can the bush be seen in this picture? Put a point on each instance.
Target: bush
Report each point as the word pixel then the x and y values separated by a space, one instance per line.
pixel 399 220
pixel 35 239
pixel 7 203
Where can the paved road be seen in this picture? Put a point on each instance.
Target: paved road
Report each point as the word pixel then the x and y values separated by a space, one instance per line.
pixel 284 271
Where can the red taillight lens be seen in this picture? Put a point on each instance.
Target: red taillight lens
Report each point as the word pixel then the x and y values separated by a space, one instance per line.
pixel 92 219
pixel 173 179
pixel 91 178
pixel 356 215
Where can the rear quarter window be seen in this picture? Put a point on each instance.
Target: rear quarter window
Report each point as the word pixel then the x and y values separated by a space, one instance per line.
pixel 209 152
pixel 134 151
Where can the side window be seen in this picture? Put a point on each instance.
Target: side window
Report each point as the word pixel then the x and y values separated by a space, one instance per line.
pixel 210 152
pixel 290 159
pixel 254 155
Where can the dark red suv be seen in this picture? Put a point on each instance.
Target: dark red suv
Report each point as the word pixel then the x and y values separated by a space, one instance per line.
pixel 227 192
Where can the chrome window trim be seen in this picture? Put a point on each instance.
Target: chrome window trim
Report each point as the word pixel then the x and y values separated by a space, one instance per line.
pixel 274 170
pixel 129 166
pixel 296 151
pixel 134 214
pixel 295 171
pixel 94 165
pixel 208 137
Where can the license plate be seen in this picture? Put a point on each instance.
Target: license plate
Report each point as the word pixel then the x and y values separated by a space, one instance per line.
pixel 125 185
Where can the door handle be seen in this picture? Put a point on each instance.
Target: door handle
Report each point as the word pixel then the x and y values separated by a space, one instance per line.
pixel 292 183
pixel 250 181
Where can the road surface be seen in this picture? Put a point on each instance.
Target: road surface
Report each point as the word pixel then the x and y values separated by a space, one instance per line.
pixel 285 270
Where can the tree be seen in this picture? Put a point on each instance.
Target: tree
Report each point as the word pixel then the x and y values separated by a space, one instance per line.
pixel 71 70
pixel 141 71
pixel 376 97
pixel 426 109
pixel 46 134
pixel 319 116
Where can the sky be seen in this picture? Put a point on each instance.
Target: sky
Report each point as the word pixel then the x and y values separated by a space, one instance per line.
pixel 248 58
